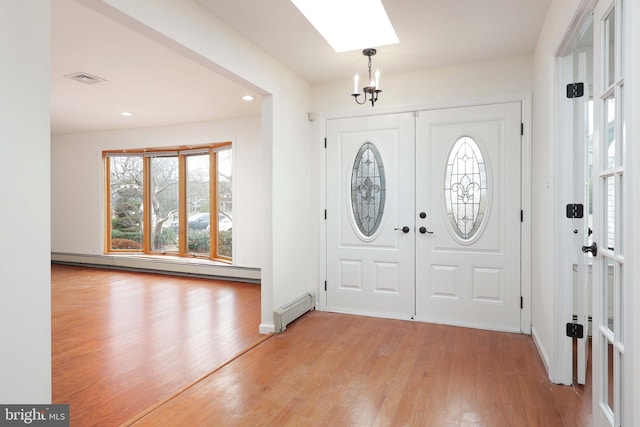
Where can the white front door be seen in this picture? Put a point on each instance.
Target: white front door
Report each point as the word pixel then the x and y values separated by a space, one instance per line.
pixel 468 200
pixel 392 248
pixel 370 264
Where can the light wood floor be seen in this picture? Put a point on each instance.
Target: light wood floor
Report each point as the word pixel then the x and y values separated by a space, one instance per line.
pixel 325 369
pixel 122 341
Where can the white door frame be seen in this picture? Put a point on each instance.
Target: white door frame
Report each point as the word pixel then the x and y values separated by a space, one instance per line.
pixel 526 194
pixel 562 241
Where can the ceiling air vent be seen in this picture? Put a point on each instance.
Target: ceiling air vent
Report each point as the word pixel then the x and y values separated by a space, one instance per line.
pixel 85 78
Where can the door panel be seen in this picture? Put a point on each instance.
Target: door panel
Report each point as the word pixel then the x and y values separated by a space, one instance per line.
pixel 370 266
pixel 468 177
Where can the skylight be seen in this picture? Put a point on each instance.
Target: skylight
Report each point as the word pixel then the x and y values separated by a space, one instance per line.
pixel 349 24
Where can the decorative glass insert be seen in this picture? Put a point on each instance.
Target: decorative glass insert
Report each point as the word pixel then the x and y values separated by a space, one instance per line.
pixel 465 188
pixel 368 189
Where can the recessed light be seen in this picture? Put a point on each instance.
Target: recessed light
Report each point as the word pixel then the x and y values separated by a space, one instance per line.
pixel 126 114
pixel 248 98
pixel 335 20
pixel 85 78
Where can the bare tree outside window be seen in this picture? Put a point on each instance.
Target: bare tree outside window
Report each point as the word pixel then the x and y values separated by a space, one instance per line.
pixel 126 180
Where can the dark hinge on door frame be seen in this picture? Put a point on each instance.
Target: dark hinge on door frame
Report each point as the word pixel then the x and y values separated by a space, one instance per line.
pixel 521 129
pixel 575 330
pixel 575 90
pixel 521 303
pixel 521 215
pixel 325 214
pixel 325 285
pixel 325 143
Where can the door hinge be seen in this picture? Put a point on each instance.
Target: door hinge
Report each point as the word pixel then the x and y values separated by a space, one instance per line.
pixel 575 210
pixel 521 129
pixel 575 90
pixel 575 330
pixel 325 214
pixel 521 303
pixel 325 143
pixel 325 285
pixel 521 215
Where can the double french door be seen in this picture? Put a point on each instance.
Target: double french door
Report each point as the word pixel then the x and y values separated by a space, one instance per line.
pixel 424 216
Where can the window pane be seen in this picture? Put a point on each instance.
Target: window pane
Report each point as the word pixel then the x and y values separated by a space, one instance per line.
pixel 368 189
pixel 164 203
pixel 610 211
pixel 610 384
pixel 623 129
pixel 225 205
pixel 126 178
pixel 610 284
pixel 610 132
pixel 465 188
pixel 609 49
pixel 198 204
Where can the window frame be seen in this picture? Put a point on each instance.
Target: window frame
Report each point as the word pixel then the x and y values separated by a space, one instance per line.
pixel 181 152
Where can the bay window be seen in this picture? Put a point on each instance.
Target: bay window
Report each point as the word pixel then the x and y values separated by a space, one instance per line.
pixel 170 201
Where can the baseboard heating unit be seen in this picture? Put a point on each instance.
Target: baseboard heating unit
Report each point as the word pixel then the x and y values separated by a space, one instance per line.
pixel 290 312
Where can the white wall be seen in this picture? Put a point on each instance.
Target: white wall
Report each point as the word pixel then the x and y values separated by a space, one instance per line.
pixel 77 181
pixel 25 275
pixel 191 30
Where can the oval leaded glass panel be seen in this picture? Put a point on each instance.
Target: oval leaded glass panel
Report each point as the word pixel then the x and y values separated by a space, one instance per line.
pixel 465 188
pixel 368 189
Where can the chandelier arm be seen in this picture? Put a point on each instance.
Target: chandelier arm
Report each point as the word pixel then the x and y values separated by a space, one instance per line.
pixel 355 97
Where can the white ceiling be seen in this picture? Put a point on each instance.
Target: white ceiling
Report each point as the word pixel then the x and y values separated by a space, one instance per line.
pixel 161 87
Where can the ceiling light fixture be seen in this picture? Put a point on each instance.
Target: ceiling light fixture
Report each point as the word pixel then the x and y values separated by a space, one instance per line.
pixel 126 114
pixel 248 98
pixel 373 88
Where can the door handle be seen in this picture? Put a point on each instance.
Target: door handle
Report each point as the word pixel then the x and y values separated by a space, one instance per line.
pixel 424 230
pixel 593 248
pixel 404 229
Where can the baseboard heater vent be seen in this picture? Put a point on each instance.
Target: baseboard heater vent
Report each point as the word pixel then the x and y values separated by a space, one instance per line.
pixel 290 312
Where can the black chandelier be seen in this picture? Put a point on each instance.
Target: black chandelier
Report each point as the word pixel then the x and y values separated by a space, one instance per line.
pixel 371 91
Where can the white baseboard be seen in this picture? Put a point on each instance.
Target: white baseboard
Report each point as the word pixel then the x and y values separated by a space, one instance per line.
pixel 541 351
pixel 267 328
pixel 161 264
